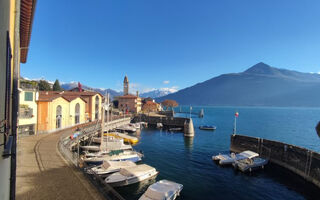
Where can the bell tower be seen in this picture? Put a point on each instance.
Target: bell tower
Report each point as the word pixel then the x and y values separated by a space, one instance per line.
pixel 125 86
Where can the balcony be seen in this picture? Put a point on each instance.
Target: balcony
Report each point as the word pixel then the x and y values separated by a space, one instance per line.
pixel 25 112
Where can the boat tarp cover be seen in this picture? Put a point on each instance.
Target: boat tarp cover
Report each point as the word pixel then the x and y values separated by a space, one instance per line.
pixel 249 154
pixel 136 170
pixel 118 164
pixel 162 190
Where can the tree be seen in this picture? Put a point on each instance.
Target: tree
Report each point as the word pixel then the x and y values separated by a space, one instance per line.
pixel 168 103
pixel 44 85
pixel 149 106
pixel 56 86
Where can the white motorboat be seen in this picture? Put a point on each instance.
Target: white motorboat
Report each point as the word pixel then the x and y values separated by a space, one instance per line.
pixel 135 125
pixel 225 159
pixel 112 143
pixel 159 125
pixel 109 167
pixel 131 175
pixel 250 164
pixel 162 190
pixel 117 155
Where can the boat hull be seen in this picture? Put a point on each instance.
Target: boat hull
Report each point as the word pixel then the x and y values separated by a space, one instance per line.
pixel 133 180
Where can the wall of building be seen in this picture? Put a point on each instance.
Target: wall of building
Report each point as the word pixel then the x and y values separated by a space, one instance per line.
pixel 301 161
pixel 72 106
pixel 6 24
pixel 31 104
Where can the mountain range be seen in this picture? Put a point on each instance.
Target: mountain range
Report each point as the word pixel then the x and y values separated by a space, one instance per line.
pixel 260 85
pixel 153 94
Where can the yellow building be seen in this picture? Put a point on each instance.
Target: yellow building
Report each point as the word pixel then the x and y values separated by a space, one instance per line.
pixel 64 109
pixel 16 18
pixel 27 110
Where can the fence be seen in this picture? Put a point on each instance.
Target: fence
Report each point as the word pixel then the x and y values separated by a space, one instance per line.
pixel 301 161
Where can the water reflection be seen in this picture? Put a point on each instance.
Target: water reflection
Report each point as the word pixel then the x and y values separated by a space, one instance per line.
pixel 188 143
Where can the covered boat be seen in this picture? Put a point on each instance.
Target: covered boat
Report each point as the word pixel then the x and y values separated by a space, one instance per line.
pixel 109 167
pixel 117 155
pixel 162 190
pixel 131 175
pixel 250 164
pixel 225 159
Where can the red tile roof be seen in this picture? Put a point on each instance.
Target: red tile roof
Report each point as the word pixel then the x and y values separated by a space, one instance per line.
pixel 69 96
pixel 27 9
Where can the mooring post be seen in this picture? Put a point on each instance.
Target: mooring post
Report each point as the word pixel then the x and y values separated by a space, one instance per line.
pixel 188 128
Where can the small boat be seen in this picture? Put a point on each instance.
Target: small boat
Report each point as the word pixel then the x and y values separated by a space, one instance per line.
pixel 225 159
pixel 162 190
pixel 119 155
pixel 250 164
pixel 131 175
pixel 109 167
pixel 135 125
pixel 159 125
pixel 209 128
pixel 175 129
pixel 127 138
pixel 126 128
pixel 112 143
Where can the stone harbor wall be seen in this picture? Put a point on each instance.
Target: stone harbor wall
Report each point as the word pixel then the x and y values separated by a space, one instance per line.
pixel 301 161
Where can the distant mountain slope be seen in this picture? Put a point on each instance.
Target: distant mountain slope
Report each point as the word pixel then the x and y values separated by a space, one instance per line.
pixel 260 85
pixel 158 93
pixel 68 86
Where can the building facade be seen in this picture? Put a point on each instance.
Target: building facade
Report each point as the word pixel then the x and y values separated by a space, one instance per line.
pixel 58 110
pixel 28 110
pixel 15 32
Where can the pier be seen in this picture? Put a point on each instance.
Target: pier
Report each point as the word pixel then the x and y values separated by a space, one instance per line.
pixel 186 124
pixel 301 161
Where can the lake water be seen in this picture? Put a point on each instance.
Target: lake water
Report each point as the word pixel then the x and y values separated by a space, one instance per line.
pixel 188 161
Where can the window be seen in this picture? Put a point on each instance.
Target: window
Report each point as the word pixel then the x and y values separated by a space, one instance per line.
pixel 58 116
pixel 77 114
pixel 28 96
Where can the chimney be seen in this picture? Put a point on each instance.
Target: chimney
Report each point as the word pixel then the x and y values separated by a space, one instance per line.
pixel 137 93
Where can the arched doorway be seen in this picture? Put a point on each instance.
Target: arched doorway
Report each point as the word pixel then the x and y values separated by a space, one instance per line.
pixel 96 116
pixel 58 116
pixel 77 114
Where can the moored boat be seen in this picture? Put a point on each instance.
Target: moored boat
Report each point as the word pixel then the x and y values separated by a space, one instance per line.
pixel 225 159
pixel 162 190
pixel 114 156
pixel 108 167
pixel 250 164
pixel 131 175
pixel 209 128
pixel 125 137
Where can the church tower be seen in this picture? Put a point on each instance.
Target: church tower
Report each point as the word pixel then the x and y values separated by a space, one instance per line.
pixel 125 86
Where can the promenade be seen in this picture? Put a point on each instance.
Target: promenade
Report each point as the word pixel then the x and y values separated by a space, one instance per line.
pixel 42 172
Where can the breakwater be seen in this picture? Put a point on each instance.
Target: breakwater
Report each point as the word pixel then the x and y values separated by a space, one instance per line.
pixel 301 161
pixel 186 124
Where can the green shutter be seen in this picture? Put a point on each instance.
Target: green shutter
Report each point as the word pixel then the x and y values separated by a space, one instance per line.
pixel 28 96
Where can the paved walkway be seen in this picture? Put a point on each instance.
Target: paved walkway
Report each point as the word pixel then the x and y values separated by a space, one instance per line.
pixel 42 173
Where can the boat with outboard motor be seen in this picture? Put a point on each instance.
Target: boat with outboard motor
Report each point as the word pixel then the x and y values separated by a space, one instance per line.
pixel 250 164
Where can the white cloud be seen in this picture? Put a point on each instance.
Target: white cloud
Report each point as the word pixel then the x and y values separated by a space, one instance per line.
pixel 166 82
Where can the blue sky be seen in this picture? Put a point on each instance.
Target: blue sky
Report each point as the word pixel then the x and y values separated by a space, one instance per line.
pixel 169 43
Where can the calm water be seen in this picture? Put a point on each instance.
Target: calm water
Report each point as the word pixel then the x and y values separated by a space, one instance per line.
pixel 188 161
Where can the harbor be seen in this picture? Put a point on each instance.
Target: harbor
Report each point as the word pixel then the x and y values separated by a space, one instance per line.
pixel 173 155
